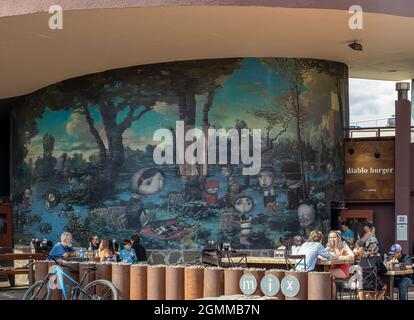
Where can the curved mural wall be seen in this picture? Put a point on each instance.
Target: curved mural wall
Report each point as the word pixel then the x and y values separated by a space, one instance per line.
pixel 83 153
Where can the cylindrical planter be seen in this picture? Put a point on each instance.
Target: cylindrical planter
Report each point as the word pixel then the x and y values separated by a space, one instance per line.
pixel 121 279
pixel 302 278
pixel 280 274
pixel 174 282
pixel 40 272
pixel 231 281
pixel 193 282
pixel 319 286
pixel 213 282
pixel 56 293
pixel 156 282
pixel 103 272
pixel 138 282
pixel 73 272
pixel 258 274
pixel 90 276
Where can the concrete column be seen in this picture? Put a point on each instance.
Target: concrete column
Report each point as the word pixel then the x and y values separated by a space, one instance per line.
pixel 403 160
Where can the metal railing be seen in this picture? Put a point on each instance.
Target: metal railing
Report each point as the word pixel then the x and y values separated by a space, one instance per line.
pixel 373 132
pixel 374 123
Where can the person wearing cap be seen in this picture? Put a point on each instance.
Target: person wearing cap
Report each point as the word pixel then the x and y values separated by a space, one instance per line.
pixel 402 283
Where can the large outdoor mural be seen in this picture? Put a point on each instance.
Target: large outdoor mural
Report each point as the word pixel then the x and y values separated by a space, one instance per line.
pixel 83 153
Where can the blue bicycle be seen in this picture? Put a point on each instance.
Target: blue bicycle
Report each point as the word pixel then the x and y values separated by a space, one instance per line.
pixel 55 280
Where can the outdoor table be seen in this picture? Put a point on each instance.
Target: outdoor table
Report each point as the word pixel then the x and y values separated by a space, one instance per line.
pixel 389 280
pixel 270 262
pixel 22 256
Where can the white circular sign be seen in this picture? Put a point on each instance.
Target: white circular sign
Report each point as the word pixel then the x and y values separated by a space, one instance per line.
pixel 290 286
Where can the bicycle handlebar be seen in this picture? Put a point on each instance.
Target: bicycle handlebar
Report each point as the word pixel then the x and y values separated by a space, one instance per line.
pixel 59 264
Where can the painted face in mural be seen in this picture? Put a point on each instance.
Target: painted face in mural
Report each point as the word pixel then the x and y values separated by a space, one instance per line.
pixel 243 204
pixel 266 178
pixel 152 185
pixel 306 214
pixel 148 181
pixel 226 171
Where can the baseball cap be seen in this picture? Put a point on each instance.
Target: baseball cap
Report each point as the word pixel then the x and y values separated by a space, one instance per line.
pixel 394 249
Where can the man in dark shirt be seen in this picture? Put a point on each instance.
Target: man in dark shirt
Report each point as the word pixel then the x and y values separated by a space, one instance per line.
pixel 400 282
pixel 139 250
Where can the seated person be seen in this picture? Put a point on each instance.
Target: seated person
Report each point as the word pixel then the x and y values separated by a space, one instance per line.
pixel 139 249
pixel 297 242
pixel 340 249
pixel 94 243
pixel 106 253
pixel 64 247
pixel 401 282
pixel 369 258
pixel 127 254
pixel 312 250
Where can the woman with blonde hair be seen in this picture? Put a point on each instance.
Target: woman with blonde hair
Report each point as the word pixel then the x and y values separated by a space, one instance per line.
pixel 340 249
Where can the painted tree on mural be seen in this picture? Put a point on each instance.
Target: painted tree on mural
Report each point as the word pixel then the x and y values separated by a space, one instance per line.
pixel 119 94
pixel 293 72
pixel 273 119
pixel 189 79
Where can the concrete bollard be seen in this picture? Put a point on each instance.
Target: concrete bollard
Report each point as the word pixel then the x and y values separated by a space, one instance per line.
pixel 319 286
pixel 121 279
pixel 258 273
pixel 302 277
pixel 174 283
pixel 138 282
pixel 213 282
pixel 280 274
pixel 156 282
pixel 193 282
pixel 231 281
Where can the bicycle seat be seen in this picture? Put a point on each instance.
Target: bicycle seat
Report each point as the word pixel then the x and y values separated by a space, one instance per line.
pixel 91 268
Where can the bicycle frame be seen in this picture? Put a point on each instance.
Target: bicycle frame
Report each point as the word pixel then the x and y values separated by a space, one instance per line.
pixel 60 274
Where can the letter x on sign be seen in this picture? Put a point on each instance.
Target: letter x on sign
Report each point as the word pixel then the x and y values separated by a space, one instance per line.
pixel 290 286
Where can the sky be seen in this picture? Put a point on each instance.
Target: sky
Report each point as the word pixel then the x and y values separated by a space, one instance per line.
pixel 371 99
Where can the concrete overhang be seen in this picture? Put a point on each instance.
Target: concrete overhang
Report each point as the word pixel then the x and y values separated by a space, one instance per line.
pixel 103 35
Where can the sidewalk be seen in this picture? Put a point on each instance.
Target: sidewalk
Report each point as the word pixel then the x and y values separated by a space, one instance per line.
pixel 8 293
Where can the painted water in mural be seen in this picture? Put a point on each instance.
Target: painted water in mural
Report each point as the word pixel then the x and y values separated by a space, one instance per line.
pixel 83 153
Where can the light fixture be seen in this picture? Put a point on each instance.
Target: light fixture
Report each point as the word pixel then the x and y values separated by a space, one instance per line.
pixel 377 153
pixel 356 46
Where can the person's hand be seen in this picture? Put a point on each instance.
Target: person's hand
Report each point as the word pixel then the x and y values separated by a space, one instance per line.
pixel 334 257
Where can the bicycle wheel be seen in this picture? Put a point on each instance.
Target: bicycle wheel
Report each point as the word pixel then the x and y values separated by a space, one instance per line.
pixel 99 290
pixel 38 291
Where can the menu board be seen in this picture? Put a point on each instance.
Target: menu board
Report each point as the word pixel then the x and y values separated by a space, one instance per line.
pixel 369 170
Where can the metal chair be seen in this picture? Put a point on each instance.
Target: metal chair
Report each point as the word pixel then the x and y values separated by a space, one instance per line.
pixel 370 278
pixel 293 265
